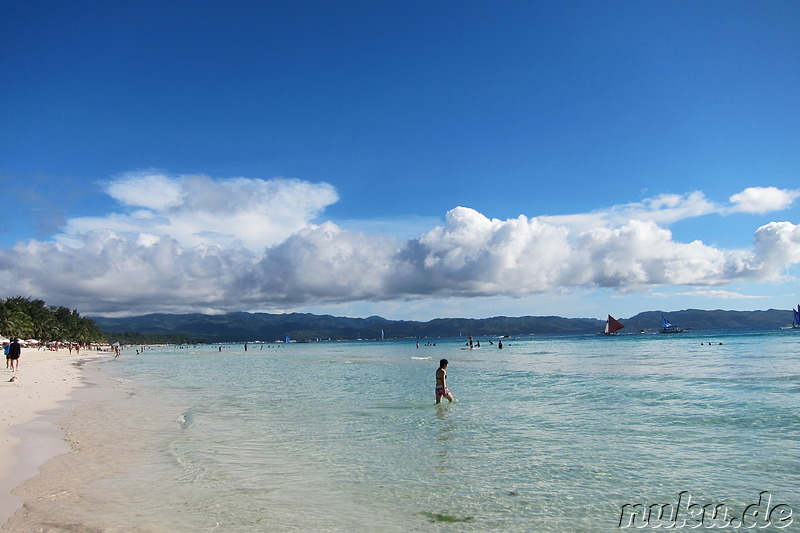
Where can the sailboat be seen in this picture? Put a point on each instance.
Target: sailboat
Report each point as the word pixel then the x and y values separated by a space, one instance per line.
pixel 796 319
pixel 666 327
pixel 612 326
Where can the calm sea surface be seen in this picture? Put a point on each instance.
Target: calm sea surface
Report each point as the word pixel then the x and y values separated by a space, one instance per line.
pixel 552 434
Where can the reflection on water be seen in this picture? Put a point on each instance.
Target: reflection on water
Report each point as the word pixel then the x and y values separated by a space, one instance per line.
pixel 446 431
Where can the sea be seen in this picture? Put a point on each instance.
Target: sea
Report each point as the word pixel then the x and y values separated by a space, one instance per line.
pixel 588 433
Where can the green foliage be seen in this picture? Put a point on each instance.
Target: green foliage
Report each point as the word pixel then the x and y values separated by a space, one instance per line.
pixel 28 318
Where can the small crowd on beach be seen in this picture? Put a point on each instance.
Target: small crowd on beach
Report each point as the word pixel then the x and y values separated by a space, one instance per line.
pixel 13 350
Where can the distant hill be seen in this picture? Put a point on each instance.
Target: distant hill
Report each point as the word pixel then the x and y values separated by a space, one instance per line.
pixel 701 319
pixel 239 327
pixel 303 326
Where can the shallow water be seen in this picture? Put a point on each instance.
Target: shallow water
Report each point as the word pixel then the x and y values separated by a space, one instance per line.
pixel 551 434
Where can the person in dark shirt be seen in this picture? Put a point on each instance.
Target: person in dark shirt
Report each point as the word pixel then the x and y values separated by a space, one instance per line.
pixel 14 351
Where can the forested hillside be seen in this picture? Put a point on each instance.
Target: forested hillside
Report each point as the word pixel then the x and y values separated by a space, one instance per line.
pixel 302 326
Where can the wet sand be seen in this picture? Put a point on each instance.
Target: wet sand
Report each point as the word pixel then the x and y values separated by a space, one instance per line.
pixel 105 480
pixel 30 408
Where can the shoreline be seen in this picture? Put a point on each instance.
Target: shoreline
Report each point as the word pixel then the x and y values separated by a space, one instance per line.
pixel 30 408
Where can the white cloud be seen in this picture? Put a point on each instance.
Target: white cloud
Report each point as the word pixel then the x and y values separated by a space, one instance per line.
pixel 642 254
pixel 666 209
pixel 186 243
pixel 198 210
pixel 777 247
pixel 762 200
pixel 112 272
pixel 661 209
pixel 323 263
pixel 472 254
pixel 146 189
pixel 718 294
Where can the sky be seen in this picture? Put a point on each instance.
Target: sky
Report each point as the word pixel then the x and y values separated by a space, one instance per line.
pixel 411 159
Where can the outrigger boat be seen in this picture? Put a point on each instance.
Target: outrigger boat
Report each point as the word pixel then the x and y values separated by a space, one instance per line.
pixel 666 327
pixel 612 326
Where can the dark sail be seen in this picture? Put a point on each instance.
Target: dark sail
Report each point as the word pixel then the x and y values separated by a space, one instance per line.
pixel 612 325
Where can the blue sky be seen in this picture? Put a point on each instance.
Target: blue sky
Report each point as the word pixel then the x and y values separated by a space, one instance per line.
pixel 408 159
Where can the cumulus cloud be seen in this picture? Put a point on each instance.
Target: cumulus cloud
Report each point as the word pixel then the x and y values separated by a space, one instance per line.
pixel 472 254
pixel 763 200
pixel 324 264
pixel 777 246
pixel 198 210
pixel 112 272
pixel 181 243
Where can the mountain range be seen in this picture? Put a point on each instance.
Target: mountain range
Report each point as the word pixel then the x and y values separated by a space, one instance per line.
pixel 242 326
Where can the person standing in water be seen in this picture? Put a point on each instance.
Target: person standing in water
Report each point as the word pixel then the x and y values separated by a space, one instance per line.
pixel 441 383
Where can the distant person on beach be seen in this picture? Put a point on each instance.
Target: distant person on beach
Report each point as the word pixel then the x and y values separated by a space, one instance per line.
pixel 441 382
pixel 14 351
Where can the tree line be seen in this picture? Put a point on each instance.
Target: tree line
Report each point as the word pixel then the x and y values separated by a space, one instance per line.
pixel 29 318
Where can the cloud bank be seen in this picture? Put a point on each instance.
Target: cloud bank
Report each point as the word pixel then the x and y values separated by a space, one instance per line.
pixel 197 210
pixel 181 243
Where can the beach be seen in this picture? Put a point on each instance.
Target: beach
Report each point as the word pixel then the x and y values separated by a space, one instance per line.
pixel 29 410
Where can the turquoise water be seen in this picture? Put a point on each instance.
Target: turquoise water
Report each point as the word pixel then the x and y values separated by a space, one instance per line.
pixel 549 434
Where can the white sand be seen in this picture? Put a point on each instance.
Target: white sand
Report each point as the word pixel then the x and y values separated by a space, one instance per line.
pixel 28 436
